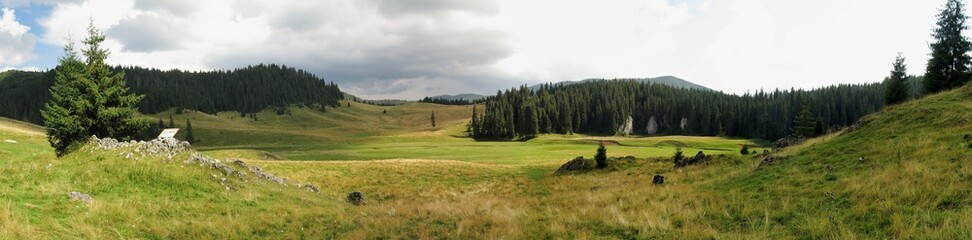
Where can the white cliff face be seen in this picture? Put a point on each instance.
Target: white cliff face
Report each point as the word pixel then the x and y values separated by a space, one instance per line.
pixel 626 128
pixel 683 124
pixel 652 127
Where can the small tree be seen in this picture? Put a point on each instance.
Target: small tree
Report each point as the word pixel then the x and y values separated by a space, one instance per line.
pixel 189 136
pixel 678 155
pixel 897 89
pixel 171 122
pixel 384 111
pixel 161 124
pixel 601 156
pixel 433 119
pixel 744 150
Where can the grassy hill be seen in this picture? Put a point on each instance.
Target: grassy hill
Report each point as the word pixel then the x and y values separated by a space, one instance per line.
pixel 424 182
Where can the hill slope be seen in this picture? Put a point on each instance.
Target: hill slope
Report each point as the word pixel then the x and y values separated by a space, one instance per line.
pixel 666 80
pixel 904 173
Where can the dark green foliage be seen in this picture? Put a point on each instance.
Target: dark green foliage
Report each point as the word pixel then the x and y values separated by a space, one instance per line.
pixel 191 138
pixel 171 122
pixel 443 101
pixel 601 156
pixel 805 124
pixel 433 118
pixel 897 87
pixel 744 150
pixel 246 90
pixel 949 64
pixel 678 157
pixel 161 124
pixel 600 107
pixel 384 111
pixel 87 99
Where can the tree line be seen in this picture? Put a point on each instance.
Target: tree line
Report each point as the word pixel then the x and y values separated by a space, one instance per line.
pixel 246 90
pixel 608 107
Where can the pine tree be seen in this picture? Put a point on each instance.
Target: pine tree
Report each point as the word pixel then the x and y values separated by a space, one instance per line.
pixel 189 136
pixel 474 125
pixel 804 124
pixel 897 89
pixel 433 119
pixel 949 64
pixel 161 124
pixel 88 99
pixel 601 156
pixel 171 122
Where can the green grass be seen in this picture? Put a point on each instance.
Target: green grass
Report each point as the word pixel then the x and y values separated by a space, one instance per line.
pixel 423 182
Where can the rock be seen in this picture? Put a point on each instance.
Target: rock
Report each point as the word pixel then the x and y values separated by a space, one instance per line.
pixel 626 127
pixel 771 159
pixel 312 188
pixel 356 198
pixel 787 141
pixel 10 141
pixel 578 164
pixel 652 127
pixel 78 196
pixel 657 180
pixel 699 158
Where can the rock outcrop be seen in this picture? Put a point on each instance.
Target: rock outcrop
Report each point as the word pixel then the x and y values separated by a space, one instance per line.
pixel 578 164
pixel 356 198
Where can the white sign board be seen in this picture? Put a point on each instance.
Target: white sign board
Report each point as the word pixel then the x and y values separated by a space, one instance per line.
pixel 168 133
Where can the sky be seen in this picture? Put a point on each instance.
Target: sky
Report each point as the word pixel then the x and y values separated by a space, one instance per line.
pixel 397 49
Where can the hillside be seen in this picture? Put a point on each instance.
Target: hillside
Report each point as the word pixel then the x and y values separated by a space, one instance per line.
pixel 250 89
pixel 665 80
pixel 425 182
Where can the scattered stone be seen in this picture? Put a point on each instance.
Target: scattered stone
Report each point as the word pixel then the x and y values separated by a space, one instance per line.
pixel 259 172
pixel 699 158
pixel 203 160
pixel 10 141
pixel 658 180
pixel 771 159
pixel 857 125
pixel 312 188
pixel 861 159
pixel 355 198
pixel 578 164
pixel 787 141
pixel 77 196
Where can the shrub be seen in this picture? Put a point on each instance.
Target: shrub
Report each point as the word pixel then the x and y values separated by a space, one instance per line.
pixel 601 156
pixel 744 150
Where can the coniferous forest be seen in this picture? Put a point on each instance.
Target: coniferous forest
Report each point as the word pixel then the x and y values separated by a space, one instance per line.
pixel 245 90
pixel 604 108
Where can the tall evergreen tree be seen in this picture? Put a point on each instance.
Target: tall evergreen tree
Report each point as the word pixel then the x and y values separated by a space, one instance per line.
pixel 161 124
pixel 189 136
pixel 804 124
pixel 171 122
pixel 89 99
pixel 950 62
pixel 433 119
pixel 601 156
pixel 897 89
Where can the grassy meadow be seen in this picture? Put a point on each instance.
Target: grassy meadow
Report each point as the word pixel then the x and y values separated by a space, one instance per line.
pixel 423 182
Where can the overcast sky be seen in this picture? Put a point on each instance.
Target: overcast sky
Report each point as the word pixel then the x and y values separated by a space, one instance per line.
pixel 410 49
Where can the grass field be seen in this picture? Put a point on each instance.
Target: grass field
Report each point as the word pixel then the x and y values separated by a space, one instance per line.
pixel 423 182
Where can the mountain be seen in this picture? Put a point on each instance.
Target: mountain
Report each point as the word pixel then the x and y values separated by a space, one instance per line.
pixel 246 90
pixel 463 97
pixel 666 80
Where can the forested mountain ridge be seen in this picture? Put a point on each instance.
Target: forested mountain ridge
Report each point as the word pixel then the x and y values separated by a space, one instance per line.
pixel 666 80
pixel 245 90
pixel 604 107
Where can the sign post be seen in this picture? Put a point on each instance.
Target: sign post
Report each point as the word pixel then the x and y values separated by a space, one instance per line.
pixel 168 133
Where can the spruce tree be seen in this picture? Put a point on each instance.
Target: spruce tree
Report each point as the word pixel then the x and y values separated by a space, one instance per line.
pixel 949 63
pixel 433 119
pixel 88 99
pixel 171 122
pixel 161 124
pixel 601 156
pixel 189 136
pixel 804 124
pixel 897 89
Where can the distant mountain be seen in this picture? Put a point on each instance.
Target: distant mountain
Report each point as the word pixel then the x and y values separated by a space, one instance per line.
pixel 667 80
pixel 464 97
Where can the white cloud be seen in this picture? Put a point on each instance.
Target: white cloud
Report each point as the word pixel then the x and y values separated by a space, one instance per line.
pixel 16 42
pixel 379 48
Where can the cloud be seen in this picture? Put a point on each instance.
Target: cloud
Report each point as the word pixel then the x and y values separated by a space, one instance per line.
pixel 16 41
pixel 147 33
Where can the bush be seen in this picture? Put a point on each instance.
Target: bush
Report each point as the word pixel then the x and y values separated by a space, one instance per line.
pixel 601 156
pixel 678 155
pixel 744 150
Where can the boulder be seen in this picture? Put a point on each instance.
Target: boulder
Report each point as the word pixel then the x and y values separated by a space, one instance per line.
pixel 578 164
pixel 699 158
pixel 78 196
pixel 771 159
pixel 657 180
pixel 788 141
pixel 356 198
pixel 652 127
